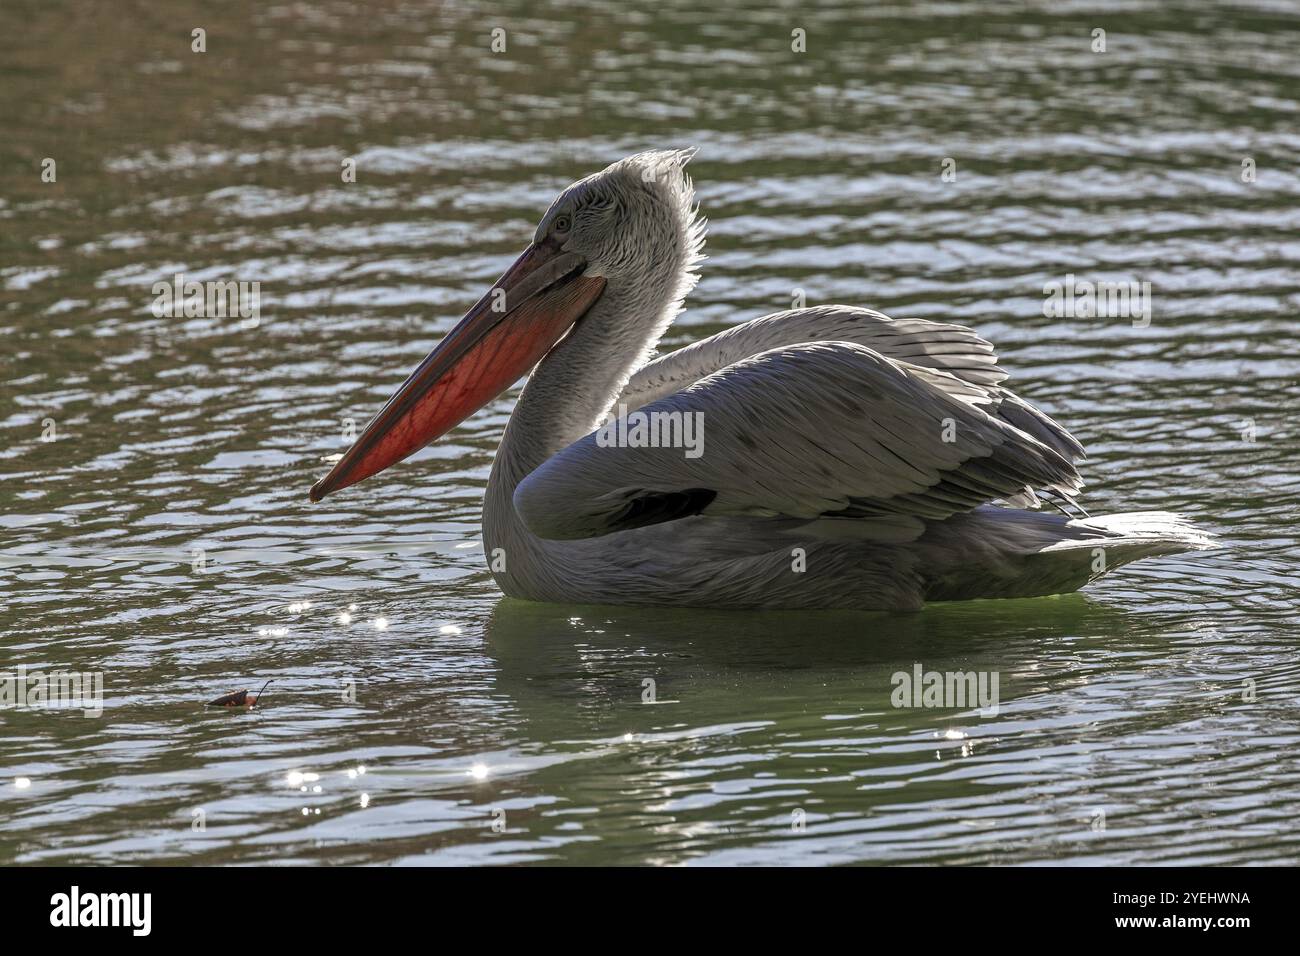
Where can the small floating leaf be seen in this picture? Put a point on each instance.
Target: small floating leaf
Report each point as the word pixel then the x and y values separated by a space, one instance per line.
pixel 239 698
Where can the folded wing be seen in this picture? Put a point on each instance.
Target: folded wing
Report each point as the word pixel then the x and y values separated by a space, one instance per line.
pixel 953 349
pixel 811 430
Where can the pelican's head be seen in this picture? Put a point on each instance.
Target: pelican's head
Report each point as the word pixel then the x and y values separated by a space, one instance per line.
pixel 634 220
pixel 629 232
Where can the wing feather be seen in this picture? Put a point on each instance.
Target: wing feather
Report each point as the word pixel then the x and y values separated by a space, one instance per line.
pixel 954 348
pixel 958 360
pixel 820 429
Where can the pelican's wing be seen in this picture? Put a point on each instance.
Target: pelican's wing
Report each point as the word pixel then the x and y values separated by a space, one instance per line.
pixel 1014 410
pixel 954 349
pixel 822 429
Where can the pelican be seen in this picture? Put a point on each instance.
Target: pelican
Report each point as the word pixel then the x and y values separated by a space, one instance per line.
pixel 842 459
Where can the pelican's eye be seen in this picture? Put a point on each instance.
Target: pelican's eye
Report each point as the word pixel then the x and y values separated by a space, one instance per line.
pixel 562 224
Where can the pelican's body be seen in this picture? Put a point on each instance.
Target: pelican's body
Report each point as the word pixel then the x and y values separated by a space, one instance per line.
pixel 843 459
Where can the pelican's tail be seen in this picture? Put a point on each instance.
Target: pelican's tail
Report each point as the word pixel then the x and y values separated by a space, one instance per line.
pixel 997 552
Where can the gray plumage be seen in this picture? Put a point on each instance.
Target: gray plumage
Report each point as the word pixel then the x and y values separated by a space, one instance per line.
pixel 849 460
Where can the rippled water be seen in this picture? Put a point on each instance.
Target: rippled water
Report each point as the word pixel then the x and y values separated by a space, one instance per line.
pixel 1152 719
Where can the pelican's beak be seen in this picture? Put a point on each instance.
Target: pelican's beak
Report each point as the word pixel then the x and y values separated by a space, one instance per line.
pixel 504 335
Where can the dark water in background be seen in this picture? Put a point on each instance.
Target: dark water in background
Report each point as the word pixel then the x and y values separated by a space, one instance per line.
pixel 818 171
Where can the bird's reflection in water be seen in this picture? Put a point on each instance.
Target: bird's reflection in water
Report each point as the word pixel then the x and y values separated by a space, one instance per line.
pixel 592 669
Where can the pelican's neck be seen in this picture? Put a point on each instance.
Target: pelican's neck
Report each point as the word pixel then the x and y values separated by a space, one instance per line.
pixel 572 389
